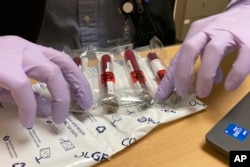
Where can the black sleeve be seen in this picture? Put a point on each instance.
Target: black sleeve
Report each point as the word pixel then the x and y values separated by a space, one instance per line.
pixel 21 17
pixel 156 20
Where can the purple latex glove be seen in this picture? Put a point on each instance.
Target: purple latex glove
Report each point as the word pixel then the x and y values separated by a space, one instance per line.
pixel 212 38
pixel 21 60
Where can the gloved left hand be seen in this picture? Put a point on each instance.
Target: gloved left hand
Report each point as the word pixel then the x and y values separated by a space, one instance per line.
pixel 21 60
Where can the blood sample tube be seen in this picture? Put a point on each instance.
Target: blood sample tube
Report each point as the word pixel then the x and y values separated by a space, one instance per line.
pixel 107 81
pixel 138 79
pixel 107 75
pixel 157 66
pixel 137 76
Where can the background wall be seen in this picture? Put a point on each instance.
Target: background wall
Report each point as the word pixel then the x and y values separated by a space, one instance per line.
pixel 188 11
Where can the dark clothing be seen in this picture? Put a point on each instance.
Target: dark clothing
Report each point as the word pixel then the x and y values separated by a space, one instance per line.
pixel 24 18
pixel 156 20
pixel 21 17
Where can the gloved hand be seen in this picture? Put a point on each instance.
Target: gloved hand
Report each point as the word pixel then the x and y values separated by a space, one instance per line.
pixel 21 60
pixel 211 38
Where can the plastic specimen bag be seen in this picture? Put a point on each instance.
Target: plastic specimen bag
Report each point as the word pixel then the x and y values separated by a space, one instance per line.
pixel 88 137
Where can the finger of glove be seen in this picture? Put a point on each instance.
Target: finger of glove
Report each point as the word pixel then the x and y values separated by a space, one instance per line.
pixel 75 78
pixel 239 70
pixel 38 67
pixel 214 52
pixel 189 51
pixel 166 85
pixel 19 90
pixel 44 106
pixel 219 76
pixel 49 73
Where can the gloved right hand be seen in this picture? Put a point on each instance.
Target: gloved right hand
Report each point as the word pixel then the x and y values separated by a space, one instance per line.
pixel 212 39
pixel 21 60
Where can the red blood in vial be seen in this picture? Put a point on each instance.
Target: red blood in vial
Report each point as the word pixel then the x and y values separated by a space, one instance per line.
pixel 151 56
pixel 158 68
pixel 104 61
pixel 137 74
pixel 78 61
pixel 106 74
pixel 130 56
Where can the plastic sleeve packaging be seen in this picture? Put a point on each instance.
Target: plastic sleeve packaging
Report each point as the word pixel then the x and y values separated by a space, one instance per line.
pixel 137 75
pixel 92 136
pixel 107 84
pixel 157 67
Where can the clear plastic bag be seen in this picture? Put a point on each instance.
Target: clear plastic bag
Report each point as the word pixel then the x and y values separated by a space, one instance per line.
pixel 89 137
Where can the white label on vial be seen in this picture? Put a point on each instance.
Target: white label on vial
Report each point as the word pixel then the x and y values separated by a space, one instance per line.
pixel 156 65
pixel 136 82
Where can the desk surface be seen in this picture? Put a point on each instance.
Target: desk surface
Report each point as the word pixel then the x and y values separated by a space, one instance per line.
pixel 182 143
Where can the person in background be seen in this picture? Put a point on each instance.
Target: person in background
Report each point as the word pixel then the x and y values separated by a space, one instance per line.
pixel 33 34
